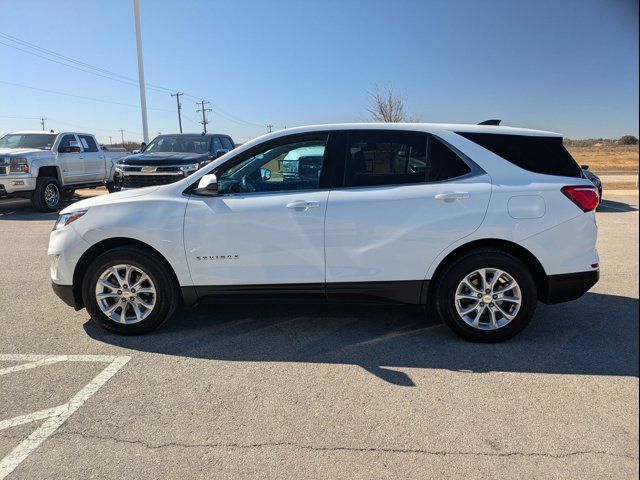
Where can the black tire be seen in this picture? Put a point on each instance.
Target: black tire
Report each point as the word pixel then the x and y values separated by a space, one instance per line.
pixel 167 293
pixel 112 187
pixel 41 200
pixel 68 193
pixel 456 271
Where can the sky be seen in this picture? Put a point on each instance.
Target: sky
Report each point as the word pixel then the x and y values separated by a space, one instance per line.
pixel 565 66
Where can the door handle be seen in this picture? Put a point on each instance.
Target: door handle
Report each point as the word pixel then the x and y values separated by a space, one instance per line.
pixel 303 205
pixel 452 196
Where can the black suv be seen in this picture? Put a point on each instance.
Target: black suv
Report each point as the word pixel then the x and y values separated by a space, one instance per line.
pixel 169 158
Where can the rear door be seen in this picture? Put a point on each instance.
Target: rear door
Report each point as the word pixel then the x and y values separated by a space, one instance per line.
pixel 71 162
pixel 93 159
pixel 404 198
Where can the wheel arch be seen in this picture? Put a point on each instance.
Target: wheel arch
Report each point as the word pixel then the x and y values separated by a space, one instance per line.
pixel 50 171
pixel 512 248
pixel 103 246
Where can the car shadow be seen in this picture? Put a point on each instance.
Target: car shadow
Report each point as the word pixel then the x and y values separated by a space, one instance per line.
pixel 20 209
pixel 610 206
pixel 596 335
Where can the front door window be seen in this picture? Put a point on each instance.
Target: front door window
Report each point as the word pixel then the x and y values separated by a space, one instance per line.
pixel 294 166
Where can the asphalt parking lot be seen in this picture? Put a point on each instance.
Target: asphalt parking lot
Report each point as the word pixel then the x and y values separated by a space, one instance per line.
pixel 317 392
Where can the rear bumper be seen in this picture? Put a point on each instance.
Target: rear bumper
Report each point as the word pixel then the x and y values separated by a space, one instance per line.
pixel 65 293
pixel 569 286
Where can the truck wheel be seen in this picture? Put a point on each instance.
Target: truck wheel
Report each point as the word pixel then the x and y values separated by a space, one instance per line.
pixel 47 197
pixel 128 290
pixel 112 187
pixel 486 296
pixel 68 193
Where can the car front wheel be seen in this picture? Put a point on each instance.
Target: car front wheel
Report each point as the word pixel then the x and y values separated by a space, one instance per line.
pixel 486 296
pixel 47 197
pixel 128 290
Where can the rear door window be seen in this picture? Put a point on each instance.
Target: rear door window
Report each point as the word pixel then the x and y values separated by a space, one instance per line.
pixel 226 143
pixel 385 158
pixel 444 163
pixel 546 155
pixel 396 158
pixel 216 144
pixel 88 143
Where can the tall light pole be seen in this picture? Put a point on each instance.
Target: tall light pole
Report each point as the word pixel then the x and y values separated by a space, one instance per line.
pixel 143 96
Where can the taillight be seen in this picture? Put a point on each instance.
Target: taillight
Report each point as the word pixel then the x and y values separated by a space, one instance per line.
pixel 583 196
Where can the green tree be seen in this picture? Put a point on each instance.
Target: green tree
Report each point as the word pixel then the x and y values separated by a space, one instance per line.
pixel 628 140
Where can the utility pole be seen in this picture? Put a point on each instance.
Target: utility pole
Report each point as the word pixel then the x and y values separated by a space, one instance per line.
pixel 202 109
pixel 122 136
pixel 42 119
pixel 269 128
pixel 143 96
pixel 177 95
pixel 110 141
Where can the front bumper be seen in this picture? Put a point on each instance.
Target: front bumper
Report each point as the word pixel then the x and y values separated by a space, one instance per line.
pixel 65 293
pixel 569 286
pixel 10 185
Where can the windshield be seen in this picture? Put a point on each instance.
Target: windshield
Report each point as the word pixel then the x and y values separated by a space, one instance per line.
pixel 179 143
pixel 41 141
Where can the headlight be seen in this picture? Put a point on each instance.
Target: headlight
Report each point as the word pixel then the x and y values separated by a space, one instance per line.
pixel 67 218
pixel 18 165
pixel 189 168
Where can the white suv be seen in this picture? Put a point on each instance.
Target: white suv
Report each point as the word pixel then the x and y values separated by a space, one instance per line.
pixel 483 220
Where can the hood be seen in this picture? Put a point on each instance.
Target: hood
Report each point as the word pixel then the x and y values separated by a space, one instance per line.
pixel 21 151
pixel 164 158
pixel 108 199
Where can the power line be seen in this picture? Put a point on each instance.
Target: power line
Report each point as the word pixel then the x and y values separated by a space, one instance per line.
pixel 79 65
pixel 104 73
pixel 80 96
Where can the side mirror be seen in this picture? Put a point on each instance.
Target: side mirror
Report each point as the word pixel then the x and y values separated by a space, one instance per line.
pixel 74 147
pixel 265 173
pixel 207 186
pixel 221 152
pixel 584 167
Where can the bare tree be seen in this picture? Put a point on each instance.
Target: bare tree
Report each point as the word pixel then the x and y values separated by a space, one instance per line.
pixel 387 106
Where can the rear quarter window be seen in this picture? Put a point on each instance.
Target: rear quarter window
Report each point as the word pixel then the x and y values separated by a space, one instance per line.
pixel 546 155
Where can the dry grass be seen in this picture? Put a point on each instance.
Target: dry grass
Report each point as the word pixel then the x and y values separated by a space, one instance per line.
pixel 606 157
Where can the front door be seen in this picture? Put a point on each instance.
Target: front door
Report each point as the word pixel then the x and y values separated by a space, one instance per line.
pixel 264 228
pixel 406 197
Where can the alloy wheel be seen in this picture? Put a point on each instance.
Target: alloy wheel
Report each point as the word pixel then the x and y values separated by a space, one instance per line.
pixel 488 299
pixel 125 294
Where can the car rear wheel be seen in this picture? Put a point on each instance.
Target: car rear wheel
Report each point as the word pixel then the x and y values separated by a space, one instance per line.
pixel 486 296
pixel 128 290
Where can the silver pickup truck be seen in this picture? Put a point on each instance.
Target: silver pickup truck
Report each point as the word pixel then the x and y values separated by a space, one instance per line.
pixel 45 166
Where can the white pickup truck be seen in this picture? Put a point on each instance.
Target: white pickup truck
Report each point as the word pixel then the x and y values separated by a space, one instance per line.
pixel 45 166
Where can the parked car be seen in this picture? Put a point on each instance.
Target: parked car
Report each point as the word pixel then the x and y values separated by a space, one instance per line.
pixel 593 178
pixel 169 158
pixel 480 220
pixel 44 166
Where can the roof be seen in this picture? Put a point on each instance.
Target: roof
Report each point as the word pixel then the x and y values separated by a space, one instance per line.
pixel 193 134
pixel 427 127
pixel 47 132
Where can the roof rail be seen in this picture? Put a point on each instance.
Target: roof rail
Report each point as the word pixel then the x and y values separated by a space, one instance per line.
pixel 494 121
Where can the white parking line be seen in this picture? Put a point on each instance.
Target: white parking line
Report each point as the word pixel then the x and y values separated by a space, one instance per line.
pixel 54 417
